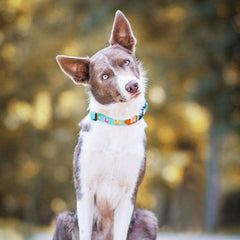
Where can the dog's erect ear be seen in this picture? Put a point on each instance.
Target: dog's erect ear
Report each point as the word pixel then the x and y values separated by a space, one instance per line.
pixel 122 32
pixel 75 68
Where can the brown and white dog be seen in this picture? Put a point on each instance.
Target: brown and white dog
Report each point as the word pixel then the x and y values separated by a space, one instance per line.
pixel 109 160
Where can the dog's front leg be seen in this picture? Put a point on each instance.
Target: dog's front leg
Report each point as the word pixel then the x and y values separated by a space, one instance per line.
pixel 85 214
pixel 122 218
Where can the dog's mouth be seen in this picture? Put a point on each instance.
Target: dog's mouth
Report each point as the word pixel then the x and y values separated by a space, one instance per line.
pixel 136 94
pixel 121 98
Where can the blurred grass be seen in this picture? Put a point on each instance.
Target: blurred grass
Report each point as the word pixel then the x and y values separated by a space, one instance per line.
pixel 14 229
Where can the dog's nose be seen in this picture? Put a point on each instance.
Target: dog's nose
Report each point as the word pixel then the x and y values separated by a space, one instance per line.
pixel 132 86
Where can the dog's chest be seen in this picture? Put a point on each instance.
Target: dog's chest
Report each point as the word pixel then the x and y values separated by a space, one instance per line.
pixel 111 159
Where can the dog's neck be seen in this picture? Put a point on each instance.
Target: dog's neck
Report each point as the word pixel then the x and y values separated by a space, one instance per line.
pixel 123 110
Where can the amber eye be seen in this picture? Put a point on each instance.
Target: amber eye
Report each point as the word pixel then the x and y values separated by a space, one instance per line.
pixel 105 76
pixel 126 62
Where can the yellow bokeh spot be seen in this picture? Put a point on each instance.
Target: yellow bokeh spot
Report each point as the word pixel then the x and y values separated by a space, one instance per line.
pixel 22 109
pixel 66 103
pixel 17 112
pixel 198 117
pixel 72 48
pixel 28 169
pixel 175 14
pixel 180 159
pixel 8 51
pixel 24 22
pixel 11 122
pixel 24 5
pixel 166 134
pixel 14 4
pixel 42 111
pixel 58 205
pixel 157 95
pixel 230 76
pixel 172 175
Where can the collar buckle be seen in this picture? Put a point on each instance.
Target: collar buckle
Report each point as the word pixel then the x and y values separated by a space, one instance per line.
pixel 132 120
pixel 94 116
pixel 143 110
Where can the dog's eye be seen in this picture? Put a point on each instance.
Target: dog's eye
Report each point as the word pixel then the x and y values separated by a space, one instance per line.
pixel 127 62
pixel 105 76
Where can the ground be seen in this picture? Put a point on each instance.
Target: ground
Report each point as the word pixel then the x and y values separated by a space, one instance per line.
pixel 164 236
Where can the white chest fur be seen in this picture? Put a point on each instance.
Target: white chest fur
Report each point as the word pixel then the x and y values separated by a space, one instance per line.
pixel 110 161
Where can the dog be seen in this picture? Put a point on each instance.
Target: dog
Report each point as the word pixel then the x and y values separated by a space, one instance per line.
pixel 109 158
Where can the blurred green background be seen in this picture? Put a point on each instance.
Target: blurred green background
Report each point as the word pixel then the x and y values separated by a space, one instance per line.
pixel 191 52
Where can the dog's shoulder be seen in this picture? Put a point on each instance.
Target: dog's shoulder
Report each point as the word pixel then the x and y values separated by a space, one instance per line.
pixel 85 124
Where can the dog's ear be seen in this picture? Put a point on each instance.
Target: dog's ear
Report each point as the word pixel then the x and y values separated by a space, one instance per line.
pixel 122 32
pixel 75 68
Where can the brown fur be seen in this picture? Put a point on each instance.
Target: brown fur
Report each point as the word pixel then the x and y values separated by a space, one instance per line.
pixel 104 62
pixel 122 33
pixel 76 68
pixel 66 226
pixel 143 226
pixel 77 151
pixel 76 168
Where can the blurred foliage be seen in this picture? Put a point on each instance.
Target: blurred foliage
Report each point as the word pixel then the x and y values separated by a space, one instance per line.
pixel 191 52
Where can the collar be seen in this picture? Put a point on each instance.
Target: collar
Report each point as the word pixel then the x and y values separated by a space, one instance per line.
pixel 103 118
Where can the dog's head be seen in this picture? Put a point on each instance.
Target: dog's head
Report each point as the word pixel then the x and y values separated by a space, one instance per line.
pixel 113 74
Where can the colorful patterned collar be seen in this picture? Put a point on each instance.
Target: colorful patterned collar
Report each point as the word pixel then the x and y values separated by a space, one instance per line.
pixel 103 118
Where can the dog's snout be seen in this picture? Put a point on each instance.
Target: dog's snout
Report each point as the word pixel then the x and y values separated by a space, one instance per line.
pixel 132 86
